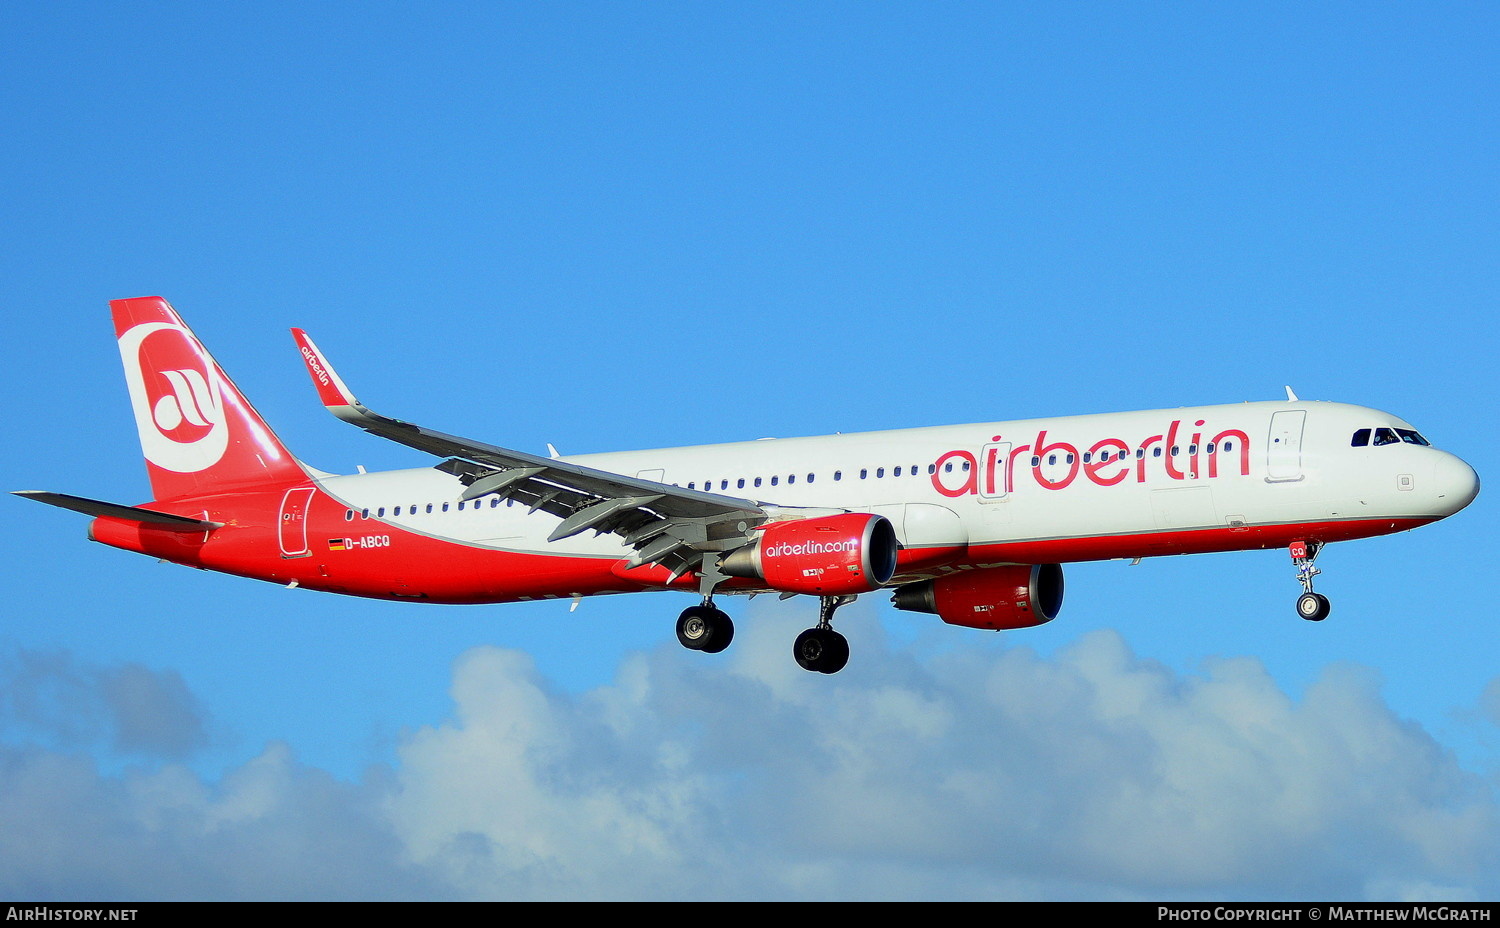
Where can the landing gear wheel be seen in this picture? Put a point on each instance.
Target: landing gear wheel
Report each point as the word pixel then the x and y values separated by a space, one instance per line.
pixel 1314 607
pixel 704 628
pixel 1311 606
pixel 821 650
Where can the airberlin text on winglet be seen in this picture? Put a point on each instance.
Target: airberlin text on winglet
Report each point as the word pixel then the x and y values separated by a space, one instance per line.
pixel 1106 463
pixel 315 365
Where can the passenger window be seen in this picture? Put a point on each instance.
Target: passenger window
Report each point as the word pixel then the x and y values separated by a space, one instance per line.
pixel 896 472
pixel 838 475
pixel 429 508
pixel 445 507
pixel 348 515
pixel 775 480
pixel 364 513
pixel 1036 461
pixel 791 478
pixel 757 481
pixel 809 478
pixel 380 512
pixel 931 468
pixel 880 471
pixel 863 473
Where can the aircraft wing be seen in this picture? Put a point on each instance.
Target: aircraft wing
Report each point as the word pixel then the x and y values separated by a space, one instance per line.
pixel 666 525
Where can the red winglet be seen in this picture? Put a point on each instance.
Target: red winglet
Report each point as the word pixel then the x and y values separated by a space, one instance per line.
pixel 331 389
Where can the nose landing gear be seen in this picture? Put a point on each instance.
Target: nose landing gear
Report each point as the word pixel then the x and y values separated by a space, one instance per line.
pixel 1314 607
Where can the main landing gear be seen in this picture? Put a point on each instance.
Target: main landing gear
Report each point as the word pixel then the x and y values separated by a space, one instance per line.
pixel 705 628
pixel 1313 607
pixel 821 649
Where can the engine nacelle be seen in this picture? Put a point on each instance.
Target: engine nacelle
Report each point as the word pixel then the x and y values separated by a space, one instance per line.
pixel 829 556
pixel 995 597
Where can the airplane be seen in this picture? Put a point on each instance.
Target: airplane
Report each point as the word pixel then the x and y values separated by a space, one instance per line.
pixel 968 522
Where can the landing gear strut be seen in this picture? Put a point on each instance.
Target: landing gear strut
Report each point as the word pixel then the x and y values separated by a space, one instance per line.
pixel 822 649
pixel 705 628
pixel 1313 607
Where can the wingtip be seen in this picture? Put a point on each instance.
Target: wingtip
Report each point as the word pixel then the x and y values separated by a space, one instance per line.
pixel 331 388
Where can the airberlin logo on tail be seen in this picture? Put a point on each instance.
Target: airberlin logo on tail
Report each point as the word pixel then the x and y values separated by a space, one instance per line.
pixel 190 401
pixel 177 397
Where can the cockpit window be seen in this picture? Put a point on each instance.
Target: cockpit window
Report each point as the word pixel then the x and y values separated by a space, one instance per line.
pixel 1385 436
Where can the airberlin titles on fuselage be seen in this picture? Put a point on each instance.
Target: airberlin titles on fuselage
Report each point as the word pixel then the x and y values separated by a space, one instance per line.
pixel 1056 465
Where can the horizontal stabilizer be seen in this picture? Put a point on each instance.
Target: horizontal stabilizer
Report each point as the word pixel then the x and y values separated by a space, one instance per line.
pixel 94 507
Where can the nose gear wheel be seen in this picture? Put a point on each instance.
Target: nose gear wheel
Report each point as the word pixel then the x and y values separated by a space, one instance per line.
pixel 1314 607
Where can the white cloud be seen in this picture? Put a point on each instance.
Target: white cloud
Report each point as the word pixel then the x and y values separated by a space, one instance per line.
pixel 978 774
pixel 133 708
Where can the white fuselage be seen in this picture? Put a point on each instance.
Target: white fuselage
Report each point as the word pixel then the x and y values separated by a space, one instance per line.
pixel 1120 484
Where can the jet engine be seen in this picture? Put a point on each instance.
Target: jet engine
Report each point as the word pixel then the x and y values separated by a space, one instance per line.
pixel 828 556
pixel 1020 596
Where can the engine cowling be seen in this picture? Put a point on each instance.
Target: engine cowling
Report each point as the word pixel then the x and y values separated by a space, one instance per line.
pixel 828 556
pixel 1021 596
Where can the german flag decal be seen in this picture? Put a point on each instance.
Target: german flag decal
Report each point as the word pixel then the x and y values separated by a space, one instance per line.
pixel 338 544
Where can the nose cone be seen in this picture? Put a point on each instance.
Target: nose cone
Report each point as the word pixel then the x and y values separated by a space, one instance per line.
pixel 1454 483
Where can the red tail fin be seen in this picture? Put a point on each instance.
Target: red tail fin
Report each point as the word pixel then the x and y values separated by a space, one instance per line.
pixel 197 431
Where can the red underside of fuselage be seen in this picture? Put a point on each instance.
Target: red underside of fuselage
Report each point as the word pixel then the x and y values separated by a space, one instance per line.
pixel 417 567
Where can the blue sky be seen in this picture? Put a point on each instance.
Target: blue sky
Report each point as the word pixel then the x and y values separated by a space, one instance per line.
pixel 613 226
